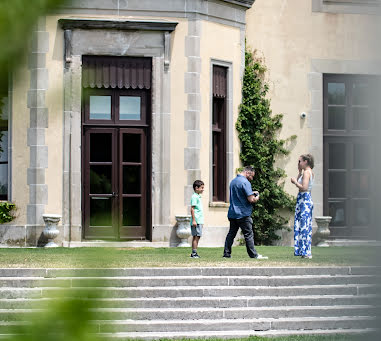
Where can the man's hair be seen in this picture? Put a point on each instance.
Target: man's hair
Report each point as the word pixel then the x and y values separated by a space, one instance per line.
pixel 309 158
pixel 249 169
pixel 197 183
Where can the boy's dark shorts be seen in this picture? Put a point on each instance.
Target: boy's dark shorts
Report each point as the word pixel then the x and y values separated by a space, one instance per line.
pixel 197 230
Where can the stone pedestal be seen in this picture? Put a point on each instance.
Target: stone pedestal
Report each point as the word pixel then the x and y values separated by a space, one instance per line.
pixel 183 229
pixel 50 231
pixel 323 231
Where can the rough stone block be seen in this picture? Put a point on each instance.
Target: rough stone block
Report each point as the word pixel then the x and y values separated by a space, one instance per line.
pixel 36 136
pixel 191 120
pixel 191 158
pixel 194 102
pixel 38 194
pixel 192 83
pixel 192 46
pixel 12 235
pixel 40 42
pixel 194 139
pixel 39 79
pixel 37 60
pixel 39 157
pixel 39 118
pixel 36 176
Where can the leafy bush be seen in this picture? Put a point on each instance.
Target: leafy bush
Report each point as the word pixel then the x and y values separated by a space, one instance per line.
pixel 6 209
pixel 258 129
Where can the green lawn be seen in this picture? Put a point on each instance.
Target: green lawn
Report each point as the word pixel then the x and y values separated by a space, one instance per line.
pixel 179 257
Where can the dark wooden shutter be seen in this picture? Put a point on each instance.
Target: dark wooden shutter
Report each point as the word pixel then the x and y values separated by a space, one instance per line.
pixel 116 72
pixel 219 132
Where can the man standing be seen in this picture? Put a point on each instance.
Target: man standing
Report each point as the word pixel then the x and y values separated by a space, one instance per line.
pixel 241 199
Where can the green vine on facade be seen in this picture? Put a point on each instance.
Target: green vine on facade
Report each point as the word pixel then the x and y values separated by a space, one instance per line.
pixel 6 211
pixel 258 129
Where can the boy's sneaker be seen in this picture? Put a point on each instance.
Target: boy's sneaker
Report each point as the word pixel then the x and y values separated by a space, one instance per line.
pixel 261 257
pixel 195 255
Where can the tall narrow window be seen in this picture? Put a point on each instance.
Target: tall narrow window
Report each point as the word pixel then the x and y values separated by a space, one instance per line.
pixel 219 133
pixel 4 146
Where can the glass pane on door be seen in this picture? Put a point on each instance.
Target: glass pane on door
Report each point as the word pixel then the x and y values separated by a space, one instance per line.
pixel 100 147
pixel 336 154
pixel 100 179
pixel 337 186
pixel 131 147
pixel 361 118
pixel 360 184
pixel 131 211
pixel 129 108
pixel 336 93
pixel 131 179
pixel 100 212
pixel 336 118
pixel 337 212
pixel 361 157
pixel 361 212
pixel 100 107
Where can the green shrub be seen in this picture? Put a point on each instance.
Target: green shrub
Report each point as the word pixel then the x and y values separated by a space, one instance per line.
pixel 6 211
pixel 258 129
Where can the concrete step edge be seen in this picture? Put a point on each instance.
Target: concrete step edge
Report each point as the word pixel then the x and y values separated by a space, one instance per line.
pixel 234 334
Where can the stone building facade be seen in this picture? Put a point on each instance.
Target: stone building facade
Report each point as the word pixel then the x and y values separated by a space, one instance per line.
pixel 120 105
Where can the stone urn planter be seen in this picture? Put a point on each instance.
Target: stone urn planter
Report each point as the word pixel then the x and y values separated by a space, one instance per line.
pixel 183 229
pixel 50 231
pixel 323 231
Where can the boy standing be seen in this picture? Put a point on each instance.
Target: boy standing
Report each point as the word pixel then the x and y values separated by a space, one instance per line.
pixel 197 216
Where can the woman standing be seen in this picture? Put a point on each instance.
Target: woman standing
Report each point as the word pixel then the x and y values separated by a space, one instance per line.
pixel 304 207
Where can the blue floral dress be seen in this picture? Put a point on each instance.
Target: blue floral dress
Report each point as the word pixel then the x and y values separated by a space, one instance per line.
pixel 303 224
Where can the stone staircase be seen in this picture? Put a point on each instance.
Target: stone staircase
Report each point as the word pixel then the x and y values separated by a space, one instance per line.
pixel 153 303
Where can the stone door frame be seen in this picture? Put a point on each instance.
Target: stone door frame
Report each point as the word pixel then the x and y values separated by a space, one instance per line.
pixel 115 38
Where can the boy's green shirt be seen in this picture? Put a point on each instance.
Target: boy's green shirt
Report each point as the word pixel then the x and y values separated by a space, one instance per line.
pixel 196 202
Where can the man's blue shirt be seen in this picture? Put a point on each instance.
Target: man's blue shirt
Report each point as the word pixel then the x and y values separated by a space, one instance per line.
pixel 240 189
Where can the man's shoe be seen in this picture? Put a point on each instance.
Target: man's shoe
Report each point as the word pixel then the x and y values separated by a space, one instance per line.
pixel 309 257
pixel 261 257
pixel 226 256
pixel 195 255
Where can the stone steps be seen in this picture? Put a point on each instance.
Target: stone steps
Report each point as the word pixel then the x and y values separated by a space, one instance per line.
pixel 211 302
pixel 179 281
pixel 201 302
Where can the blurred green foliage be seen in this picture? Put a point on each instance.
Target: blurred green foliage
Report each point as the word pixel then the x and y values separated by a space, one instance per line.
pixel 17 20
pixel 64 319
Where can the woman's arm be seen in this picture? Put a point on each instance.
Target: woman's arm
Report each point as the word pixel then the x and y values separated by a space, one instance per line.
pixel 304 185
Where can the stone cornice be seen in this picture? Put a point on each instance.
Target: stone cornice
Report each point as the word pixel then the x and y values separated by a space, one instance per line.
pixel 146 25
pixel 245 3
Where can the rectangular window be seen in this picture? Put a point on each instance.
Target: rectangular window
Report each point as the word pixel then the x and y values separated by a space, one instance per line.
pixel 347 6
pixel 219 132
pixel 4 146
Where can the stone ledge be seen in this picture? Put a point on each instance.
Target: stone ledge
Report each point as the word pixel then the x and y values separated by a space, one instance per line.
pixel 219 204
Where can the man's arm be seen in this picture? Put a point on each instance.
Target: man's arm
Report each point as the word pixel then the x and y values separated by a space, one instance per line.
pixel 253 198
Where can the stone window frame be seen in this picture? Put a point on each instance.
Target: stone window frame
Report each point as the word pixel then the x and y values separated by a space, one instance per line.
pixel 229 128
pixel 8 100
pixel 72 176
pixel 366 7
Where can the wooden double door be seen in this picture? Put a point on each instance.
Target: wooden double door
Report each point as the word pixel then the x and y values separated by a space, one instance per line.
pixel 351 161
pixel 116 203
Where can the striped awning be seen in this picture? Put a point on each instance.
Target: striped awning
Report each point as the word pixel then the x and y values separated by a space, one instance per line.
pixel 116 72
